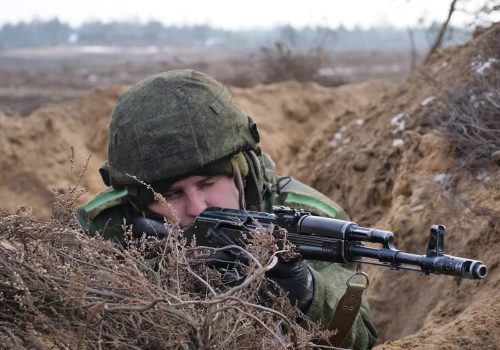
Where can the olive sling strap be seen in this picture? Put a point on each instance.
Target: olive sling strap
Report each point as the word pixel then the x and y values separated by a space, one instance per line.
pixel 347 308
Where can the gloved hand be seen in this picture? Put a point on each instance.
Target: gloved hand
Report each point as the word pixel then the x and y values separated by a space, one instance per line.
pixel 294 278
pixel 229 263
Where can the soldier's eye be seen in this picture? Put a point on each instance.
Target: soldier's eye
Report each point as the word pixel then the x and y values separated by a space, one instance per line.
pixel 207 183
pixel 172 194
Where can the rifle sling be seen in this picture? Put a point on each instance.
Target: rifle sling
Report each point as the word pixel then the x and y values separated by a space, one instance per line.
pixel 346 312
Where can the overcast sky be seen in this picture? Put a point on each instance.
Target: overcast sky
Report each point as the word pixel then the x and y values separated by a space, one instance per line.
pixel 233 14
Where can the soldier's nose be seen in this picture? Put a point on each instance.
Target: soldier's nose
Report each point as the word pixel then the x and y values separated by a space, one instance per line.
pixel 196 204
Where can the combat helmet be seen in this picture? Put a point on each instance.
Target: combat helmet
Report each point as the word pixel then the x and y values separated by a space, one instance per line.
pixel 175 124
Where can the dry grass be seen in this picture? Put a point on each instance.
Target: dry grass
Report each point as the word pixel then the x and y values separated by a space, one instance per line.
pixel 65 203
pixel 282 62
pixel 61 289
pixel 470 116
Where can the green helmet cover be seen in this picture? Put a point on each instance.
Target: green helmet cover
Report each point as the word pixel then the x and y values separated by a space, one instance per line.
pixel 172 124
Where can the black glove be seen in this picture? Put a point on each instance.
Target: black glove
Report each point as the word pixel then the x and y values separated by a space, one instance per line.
pixel 294 278
pixel 229 263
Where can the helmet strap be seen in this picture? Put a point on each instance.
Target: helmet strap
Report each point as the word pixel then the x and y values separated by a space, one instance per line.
pixel 238 181
pixel 253 188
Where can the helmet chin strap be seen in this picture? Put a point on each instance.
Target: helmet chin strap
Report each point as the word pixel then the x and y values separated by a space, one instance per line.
pixel 253 184
pixel 238 181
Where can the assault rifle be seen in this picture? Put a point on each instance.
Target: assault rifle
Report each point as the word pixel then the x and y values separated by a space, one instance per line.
pixel 326 239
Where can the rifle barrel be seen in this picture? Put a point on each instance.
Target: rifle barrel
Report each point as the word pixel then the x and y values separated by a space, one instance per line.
pixel 439 264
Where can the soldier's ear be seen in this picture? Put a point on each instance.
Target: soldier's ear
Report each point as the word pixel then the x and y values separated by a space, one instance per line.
pixel 104 171
pixel 253 129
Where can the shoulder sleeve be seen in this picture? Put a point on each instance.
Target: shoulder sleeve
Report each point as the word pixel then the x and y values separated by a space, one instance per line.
pixel 105 214
pixel 329 278
pixel 295 194
pixel 329 286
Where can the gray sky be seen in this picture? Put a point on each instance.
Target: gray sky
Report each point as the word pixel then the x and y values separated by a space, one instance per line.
pixel 234 13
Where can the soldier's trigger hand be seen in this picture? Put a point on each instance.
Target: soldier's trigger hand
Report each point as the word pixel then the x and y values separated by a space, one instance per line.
pixel 295 279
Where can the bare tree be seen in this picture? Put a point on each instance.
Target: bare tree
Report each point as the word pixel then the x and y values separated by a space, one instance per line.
pixel 439 39
pixel 413 49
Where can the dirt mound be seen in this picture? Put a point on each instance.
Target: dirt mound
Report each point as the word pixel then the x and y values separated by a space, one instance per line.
pixel 288 114
pixel 393 168
pixel 480 319
pixel 36 150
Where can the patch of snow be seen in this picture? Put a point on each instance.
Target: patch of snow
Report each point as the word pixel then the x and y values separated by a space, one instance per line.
pixel 483 176
pixel 398 142
pixel 108 50
pixel 441 178
pixel 360 121
pixel 481 67
pixel 326 72
pixel 99 49
pixel 398 121
pixel 337 137
pixel 428 100
pixel 419 207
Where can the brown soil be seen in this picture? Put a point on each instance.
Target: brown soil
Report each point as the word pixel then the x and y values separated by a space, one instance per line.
pixel 350 143
pixel 403 179
pixel 288 114
pixel 36 150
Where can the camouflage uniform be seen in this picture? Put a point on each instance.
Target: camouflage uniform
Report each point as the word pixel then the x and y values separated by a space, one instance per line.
pixel 199 142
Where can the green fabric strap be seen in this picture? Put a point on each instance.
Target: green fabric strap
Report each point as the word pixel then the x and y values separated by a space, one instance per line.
pixel 346 312
pixel 104 200
pixel 312 203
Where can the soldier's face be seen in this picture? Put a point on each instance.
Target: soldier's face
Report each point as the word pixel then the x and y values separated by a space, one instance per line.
pixel 187 198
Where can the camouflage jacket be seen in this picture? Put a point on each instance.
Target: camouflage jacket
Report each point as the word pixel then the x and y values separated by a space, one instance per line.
pixel 105 214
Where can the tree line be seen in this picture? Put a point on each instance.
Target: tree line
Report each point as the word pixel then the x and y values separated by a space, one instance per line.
pixel 38 33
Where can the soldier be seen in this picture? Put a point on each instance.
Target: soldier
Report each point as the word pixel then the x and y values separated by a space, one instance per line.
pixel 182 133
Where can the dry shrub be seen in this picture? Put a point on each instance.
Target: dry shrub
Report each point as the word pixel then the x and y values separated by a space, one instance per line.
pixel 64 205
pixel 282 62
pixel 244 77
pixel 62 289
pixel 470 116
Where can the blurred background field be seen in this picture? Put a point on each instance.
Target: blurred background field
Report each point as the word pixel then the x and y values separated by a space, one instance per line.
pixel 51 53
